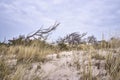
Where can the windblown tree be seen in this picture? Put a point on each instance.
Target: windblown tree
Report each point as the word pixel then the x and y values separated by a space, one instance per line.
pixel 91 39
pixel 41 34
pixel 72 39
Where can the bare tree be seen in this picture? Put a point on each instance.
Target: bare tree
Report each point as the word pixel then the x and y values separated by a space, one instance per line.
pixel 72 39
pixel 40 34
pixel 43 34
pixel 91 39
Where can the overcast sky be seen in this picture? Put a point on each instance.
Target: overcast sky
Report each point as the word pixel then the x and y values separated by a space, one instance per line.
pixel 18 17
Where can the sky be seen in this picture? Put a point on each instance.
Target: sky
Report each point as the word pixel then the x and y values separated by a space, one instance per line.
pixel 96 17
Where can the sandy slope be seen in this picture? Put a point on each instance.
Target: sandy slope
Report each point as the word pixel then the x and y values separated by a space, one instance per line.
pixel 63 66
pixel 68 66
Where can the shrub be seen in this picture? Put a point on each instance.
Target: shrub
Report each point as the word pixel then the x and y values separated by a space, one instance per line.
pixel 62 46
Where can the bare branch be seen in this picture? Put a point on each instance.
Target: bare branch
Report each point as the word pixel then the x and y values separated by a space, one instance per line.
pixel 43 33
pixel 72 39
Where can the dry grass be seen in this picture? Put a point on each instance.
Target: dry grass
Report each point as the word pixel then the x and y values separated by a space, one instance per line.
pixel 37 51
pixel 113 66
pixel 29 53
pixel 87 70
pixel 3 49
pixel 4 70
pixel 97 56
pixel 76 61
pixel 20 72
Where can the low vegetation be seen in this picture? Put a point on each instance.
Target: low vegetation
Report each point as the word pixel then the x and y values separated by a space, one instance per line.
pixel 113 66
pixel 34 48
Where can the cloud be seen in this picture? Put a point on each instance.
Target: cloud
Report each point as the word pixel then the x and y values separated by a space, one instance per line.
pixel 94 16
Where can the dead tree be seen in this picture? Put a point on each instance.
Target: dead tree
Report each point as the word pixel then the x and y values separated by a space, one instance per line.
pixel 72 39
pixel 40 34
pixel 91 39
pixel 43 34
